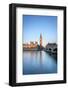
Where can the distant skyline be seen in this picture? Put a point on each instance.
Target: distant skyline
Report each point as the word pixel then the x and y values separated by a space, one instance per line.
pixel 33 26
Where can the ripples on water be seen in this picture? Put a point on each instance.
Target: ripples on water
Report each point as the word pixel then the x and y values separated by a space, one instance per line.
pixel 38 62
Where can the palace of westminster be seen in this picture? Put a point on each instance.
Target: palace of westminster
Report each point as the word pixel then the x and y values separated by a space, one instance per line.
pixel 33 44
pixel 50 47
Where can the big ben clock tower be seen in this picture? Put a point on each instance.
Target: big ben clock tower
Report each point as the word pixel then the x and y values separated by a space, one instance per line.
pixel 40 40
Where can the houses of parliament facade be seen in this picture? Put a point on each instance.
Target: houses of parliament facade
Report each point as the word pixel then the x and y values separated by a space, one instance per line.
pixel 50 47
pixel 33 45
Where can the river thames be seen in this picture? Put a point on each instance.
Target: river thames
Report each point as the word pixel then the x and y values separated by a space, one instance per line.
pixel 38 62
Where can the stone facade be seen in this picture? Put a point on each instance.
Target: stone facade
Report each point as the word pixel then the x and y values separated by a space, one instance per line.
pixel 30 45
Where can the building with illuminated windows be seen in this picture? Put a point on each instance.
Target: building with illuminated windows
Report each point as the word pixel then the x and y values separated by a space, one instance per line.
pixel 33 45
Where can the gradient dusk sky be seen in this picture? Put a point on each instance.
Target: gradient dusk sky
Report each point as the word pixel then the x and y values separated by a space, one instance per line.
pixel 33 26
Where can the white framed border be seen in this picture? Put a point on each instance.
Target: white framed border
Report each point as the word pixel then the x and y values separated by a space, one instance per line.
pixel 19 54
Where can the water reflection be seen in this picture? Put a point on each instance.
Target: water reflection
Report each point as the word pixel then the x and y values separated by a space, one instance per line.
pixel 38 62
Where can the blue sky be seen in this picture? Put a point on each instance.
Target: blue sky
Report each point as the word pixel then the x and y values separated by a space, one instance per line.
pixel 33 26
